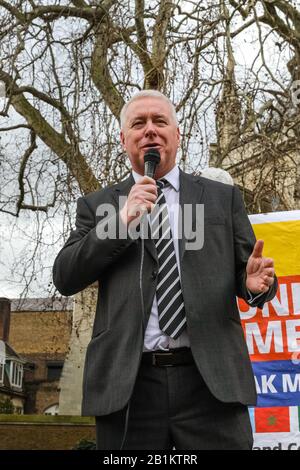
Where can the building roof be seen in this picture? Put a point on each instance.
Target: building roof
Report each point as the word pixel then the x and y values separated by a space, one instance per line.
pixel 49 304
pixel 7 355
pixel 7 352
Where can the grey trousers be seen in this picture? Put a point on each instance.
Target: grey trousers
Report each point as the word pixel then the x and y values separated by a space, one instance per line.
pixel 171 407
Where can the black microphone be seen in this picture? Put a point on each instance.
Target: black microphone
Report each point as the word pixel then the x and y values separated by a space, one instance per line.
pixel 151 159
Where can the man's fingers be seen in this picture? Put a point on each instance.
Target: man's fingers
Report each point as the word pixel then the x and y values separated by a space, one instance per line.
pixel 268 280
pixel 268 263
pixel 149 188
pixel 142 197
pixel 146 180
pixel 146 196
pixel 258 249
pixel 260 269
pixel 269 272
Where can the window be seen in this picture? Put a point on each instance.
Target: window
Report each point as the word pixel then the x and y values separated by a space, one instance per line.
pixel 16 374
pixel 54 370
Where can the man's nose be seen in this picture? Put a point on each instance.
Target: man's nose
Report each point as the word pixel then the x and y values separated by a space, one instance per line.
pixel 150 129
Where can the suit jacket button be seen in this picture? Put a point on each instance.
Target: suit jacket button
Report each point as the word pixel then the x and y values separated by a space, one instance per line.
pixel 154 274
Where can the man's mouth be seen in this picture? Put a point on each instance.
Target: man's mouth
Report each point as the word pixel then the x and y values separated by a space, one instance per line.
pixel 148 146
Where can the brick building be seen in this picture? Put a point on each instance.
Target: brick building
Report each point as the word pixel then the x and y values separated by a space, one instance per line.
pixel 39 332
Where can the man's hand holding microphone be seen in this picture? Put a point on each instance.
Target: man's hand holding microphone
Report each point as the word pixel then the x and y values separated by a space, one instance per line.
pixel 143 194
pixel 141 199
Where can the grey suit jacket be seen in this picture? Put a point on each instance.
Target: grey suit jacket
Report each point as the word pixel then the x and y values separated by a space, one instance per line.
pixel 211 279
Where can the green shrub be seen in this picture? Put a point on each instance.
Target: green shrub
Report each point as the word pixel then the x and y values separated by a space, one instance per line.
pixel 85 444
pixel 6 406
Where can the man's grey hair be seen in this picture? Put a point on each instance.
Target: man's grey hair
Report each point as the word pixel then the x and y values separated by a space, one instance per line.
pixel 147 94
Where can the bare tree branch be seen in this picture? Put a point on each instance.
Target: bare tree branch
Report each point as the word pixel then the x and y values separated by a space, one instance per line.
pixel 75 161
pixel 24 161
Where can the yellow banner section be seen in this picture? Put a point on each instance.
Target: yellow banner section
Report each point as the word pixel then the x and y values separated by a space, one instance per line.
pixel 282 243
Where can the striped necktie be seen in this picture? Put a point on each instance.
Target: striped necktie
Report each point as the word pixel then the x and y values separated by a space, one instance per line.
pixel 171 313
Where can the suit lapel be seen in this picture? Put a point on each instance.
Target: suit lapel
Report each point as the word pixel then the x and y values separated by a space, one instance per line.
pixel 191 193
pixel 123 188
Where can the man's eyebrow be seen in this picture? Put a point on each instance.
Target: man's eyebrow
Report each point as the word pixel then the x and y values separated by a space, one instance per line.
pixel 144 116
pixel 158 115
pixel 138 116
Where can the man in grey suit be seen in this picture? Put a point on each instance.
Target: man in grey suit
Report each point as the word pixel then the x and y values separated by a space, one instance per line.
pixel 167 364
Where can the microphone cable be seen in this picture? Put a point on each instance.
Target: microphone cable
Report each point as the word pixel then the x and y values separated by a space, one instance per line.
pixel 126 425
pixel 142 233
pixel 143 223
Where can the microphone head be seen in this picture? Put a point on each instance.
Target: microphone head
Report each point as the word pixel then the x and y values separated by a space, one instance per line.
pixel 152 155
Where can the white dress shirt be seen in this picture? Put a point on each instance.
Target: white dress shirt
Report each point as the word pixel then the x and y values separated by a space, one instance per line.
pixel 155 338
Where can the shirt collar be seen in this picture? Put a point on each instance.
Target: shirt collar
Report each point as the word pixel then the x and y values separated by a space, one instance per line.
pixel 172 177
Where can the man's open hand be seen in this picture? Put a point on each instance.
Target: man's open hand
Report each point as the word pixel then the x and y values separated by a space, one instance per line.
pixel 260 270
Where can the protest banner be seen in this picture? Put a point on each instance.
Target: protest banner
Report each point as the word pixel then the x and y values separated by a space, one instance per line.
pixel 273 337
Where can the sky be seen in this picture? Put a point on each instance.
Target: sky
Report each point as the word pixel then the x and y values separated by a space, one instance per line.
pixel 19 255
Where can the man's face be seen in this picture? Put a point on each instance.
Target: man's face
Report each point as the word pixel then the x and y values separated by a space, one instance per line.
pixel 149 123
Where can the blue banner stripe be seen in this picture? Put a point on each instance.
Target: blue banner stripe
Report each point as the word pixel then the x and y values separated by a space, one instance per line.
pixel 277 383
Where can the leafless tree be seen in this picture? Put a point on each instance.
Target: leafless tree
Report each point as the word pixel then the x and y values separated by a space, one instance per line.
pixel 69 66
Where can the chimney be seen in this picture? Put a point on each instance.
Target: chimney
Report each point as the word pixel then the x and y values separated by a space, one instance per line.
pixel 4 318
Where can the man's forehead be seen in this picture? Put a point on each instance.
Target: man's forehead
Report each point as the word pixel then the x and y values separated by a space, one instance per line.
pixel 145 106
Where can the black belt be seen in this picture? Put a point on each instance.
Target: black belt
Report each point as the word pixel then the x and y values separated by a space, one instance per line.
pixel 172 357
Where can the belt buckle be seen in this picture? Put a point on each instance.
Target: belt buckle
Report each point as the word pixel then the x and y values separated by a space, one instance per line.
pixel 154 363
